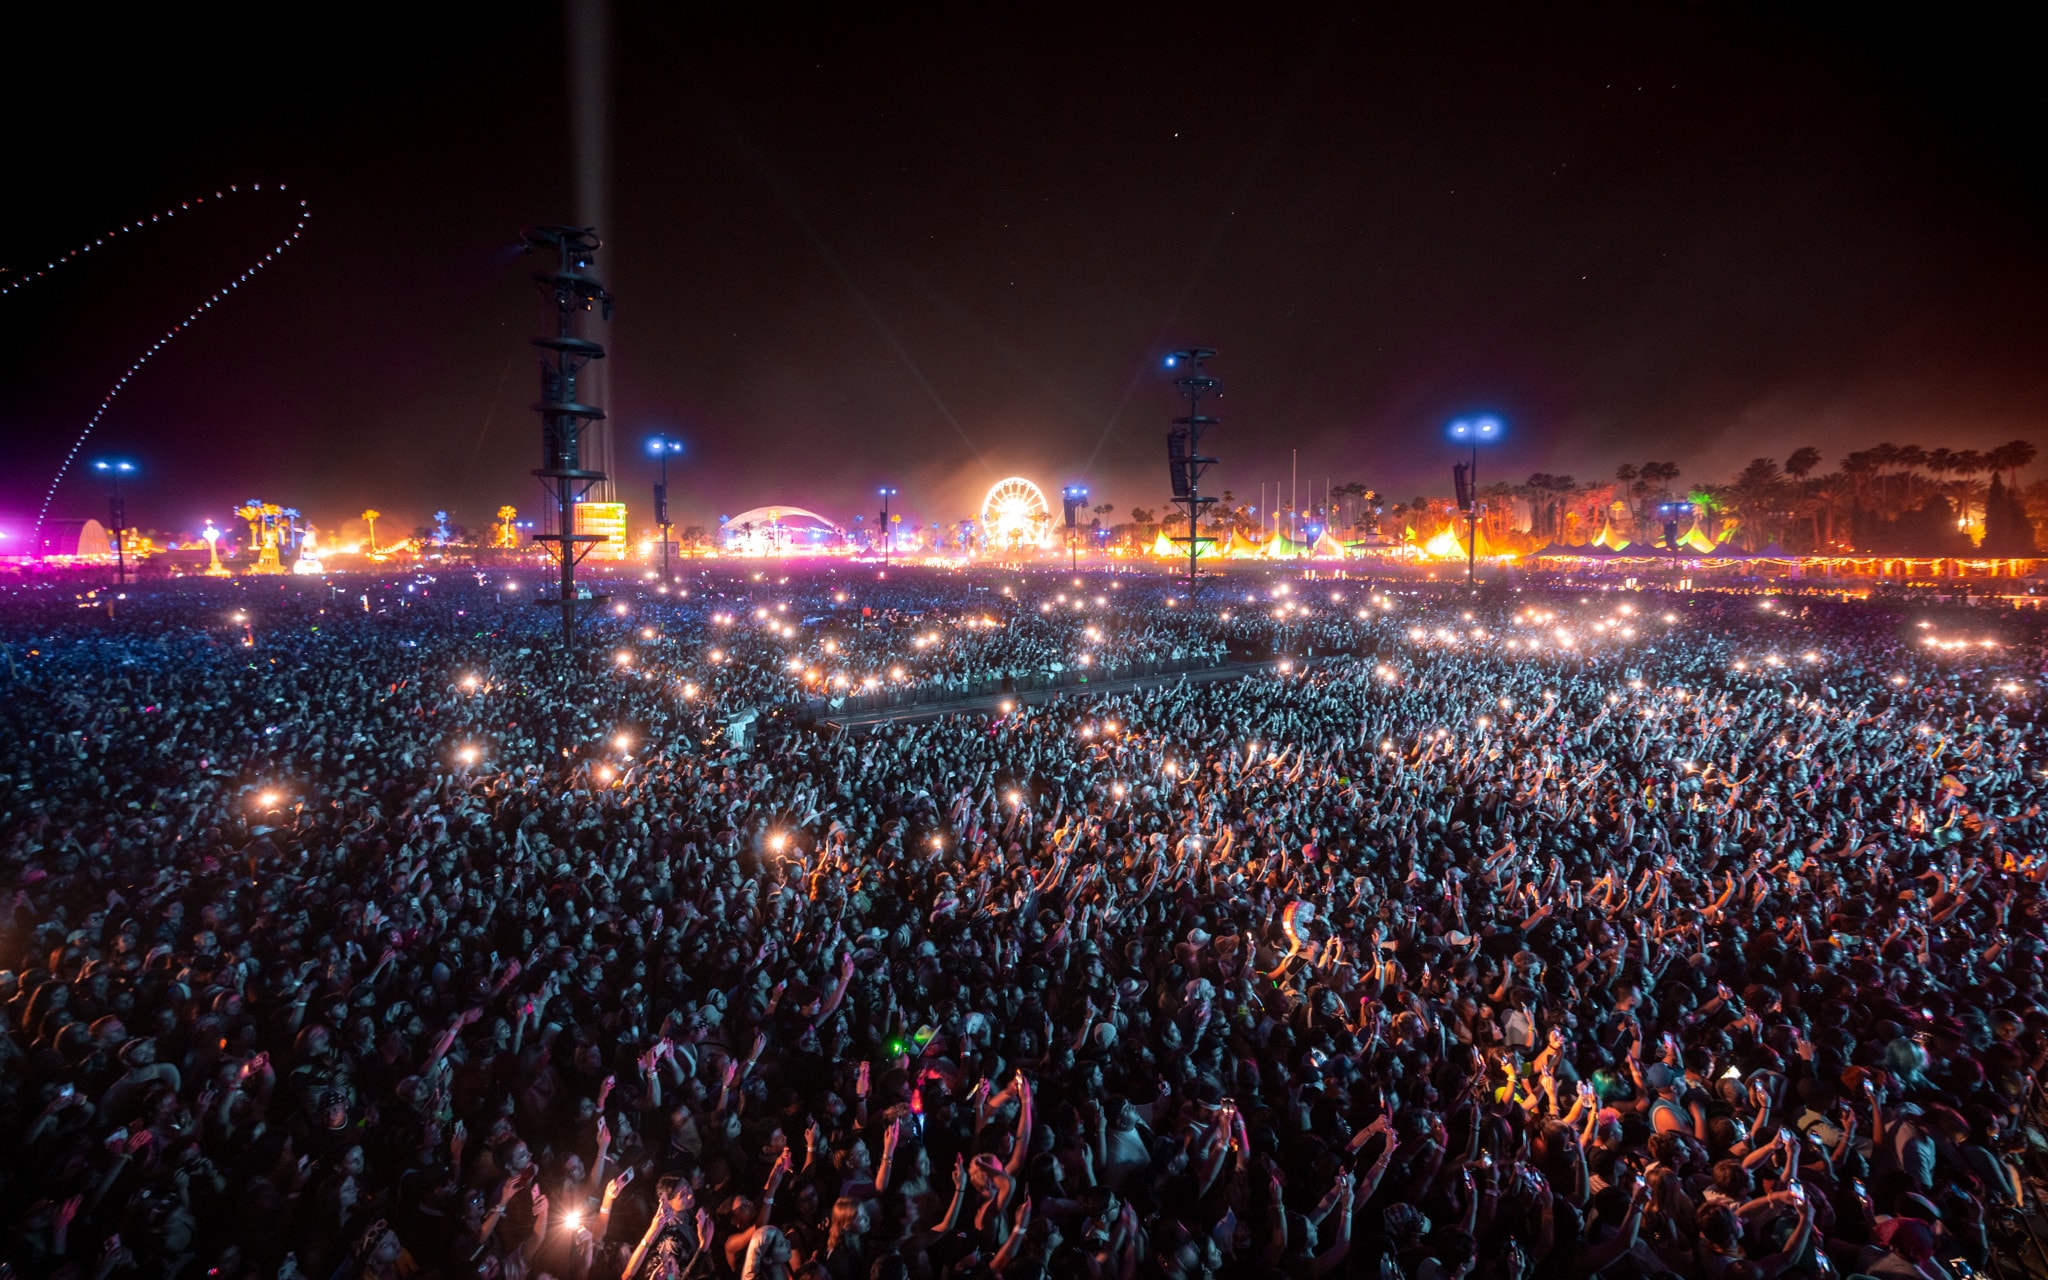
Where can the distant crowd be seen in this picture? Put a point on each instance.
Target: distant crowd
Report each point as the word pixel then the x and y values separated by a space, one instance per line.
pixel 349 931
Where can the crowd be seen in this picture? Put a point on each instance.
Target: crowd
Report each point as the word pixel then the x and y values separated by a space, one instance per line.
pixel 350 932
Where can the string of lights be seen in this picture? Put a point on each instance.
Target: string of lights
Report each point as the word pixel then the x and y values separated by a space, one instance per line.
pixel 134 368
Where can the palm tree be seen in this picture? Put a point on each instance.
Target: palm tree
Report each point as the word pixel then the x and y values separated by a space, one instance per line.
pixel 1757 496
pixel 1801 461
pixel 370 517
pixel 1546 493
pixel 1654 481
pixel 2010 458
pixel 1709 500
pixel 1834 498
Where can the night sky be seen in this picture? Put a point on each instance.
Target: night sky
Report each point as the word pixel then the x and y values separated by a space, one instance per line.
pixel 939 245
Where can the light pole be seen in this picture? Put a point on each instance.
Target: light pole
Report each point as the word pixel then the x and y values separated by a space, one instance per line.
pixel 1671 511
pixel 1466 476
pixel 1073 497
pixel 661 447
pixel 887 493
pixel 113 469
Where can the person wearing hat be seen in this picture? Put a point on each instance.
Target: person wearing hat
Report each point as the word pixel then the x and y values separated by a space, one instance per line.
pixel 143 1070
pixel 1660 1082
pixel 1901 1249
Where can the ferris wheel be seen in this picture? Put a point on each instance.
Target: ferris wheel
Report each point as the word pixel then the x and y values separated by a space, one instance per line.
pixel 1015 514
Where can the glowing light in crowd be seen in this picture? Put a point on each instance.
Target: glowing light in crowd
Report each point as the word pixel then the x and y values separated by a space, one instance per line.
pixel 467 755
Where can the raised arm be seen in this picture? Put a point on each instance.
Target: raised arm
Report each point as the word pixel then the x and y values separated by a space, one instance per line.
pixel 1020 1150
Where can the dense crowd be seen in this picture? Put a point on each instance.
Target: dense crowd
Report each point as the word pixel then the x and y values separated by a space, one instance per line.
pixel 351 932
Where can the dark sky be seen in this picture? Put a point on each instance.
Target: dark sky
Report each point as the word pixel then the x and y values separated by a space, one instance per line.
pixel 938 245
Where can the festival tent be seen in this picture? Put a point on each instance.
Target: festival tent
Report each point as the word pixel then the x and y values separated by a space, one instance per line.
pixel 1237 547
pixel 1165 546
pixel 1447 545
pixel 1697 539
pixel 1609 539
pixel 1282 547
pixel 1327 548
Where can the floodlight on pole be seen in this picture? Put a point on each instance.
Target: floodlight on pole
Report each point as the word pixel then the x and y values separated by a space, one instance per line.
pixel 887 493
pixel 1074 497
pixel 663 447
pixel 113 469
pixel 1472 432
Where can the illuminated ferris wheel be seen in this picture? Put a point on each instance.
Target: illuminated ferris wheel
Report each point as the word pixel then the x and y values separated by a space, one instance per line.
pixel 1014 515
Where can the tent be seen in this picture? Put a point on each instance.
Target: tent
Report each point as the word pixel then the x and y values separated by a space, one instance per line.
pixel 1609 539
pixel 1327 548
pixel 1448 545
pixel 1282 547
pixel 74 540
pixel 1166 548
pixel 1237 547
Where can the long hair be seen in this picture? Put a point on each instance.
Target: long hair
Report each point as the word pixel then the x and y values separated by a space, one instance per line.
pixel 846 1220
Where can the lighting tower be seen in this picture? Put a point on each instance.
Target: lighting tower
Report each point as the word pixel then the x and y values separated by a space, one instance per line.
pixel 113 469
pixel 1465 476
pixel 1184 459
pixel 1074 497
pixel 568 289
pixel 661 447
pixel 887 493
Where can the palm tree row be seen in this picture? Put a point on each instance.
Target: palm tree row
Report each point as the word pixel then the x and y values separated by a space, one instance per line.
pixel 1899 499
pixel 1891 499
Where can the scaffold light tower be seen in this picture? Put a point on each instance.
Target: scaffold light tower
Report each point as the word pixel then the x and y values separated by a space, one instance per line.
pixel 1184 458
pixel 568 290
